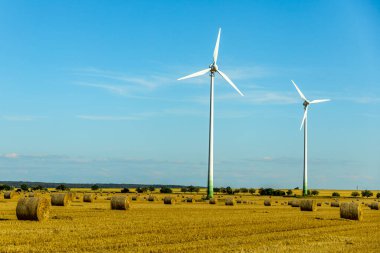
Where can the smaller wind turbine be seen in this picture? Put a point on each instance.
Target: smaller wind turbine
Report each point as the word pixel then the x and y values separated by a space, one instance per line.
pixel 306 104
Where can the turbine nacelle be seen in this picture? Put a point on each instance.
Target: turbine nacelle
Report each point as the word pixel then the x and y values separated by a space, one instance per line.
pixel 306 103
pixel 213 68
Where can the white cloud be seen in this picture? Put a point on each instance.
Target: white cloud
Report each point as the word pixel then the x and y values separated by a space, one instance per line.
pixel 106 117
pixel 11 155
pixel 20 117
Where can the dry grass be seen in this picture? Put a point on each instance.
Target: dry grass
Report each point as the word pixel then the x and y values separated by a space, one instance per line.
pixel 200 227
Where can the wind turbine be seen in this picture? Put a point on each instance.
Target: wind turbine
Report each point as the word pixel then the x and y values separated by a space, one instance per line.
pixel 306 104
pixel 211 70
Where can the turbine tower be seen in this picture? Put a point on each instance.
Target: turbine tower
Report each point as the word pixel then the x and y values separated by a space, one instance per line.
pixel 306 104
pixel 212 69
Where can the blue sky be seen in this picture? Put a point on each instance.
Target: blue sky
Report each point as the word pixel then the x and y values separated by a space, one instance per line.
pixel 88 92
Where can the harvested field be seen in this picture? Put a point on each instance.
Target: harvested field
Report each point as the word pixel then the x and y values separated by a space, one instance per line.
pixel 199 227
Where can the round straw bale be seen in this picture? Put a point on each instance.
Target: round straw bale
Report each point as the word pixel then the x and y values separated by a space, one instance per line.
pixel 151 198
pixel 88 197
pixel 245 202
pixel 33 209
pixel 308 205
pixel 212 201
pixel 8 194
pixel 334 204
pixel 230 202
pixel 295 203
pixel 72 196
pixel 238 201
pixel 319 204
pixel 190 200
pixel 31 194
pixel 60 199
pixel 351 211
pixel 119 203
pixel 290 202
pixel 267 202
pixel 169 200
pixel 375 206
pixel 134 198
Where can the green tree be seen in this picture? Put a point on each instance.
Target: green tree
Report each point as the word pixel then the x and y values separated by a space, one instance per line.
pixel 95 187
pixel 367 193
pixel 165 189
pixel 229 190
pixel 335 194
pixel 216 190
pixel 191 188
pixel 378 195
pixel 24 187
pixel 151 188
pixel 236 191
pixel 5 187
pixel 184 189
pixel 243 190
pixel 252 190
pixel 314 193
pixel 355 194
pixel 124 190
pixel 289 192
pixel 62 187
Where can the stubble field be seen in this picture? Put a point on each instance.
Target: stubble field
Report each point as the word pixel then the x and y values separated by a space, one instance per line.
pixel 190 227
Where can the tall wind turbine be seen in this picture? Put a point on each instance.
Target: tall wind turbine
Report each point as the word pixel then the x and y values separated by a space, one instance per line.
pixel 306 104
pixel 211 70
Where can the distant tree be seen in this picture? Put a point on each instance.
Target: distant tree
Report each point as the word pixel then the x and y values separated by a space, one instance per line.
pixel 95 187
pixel 289 192
pixel 62 187
pixel 378 195
pixel 223 190
pixel 139 190
pixel 243 190
pixel 37 187
pixel 266 191
pixel 236 191
pixel 125 190
pixel 278 193
pixel 367 193
pixel 297 188
pixel 335 194
pixel 24 187
pixel 151 188
pixel 184 189
pixel 197 189
pixel 252 190
pixel 229 190
pixel 191 188
pixel 216 190
pixel 5 187
pixel 355 194
pixel 314 193
pixel 165 189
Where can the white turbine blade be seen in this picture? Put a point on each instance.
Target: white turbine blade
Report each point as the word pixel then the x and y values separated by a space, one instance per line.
pixel 319 101
pixel 229 81
pixel 304 117
pixel 199 73
pixel 216 50
pixel 299 91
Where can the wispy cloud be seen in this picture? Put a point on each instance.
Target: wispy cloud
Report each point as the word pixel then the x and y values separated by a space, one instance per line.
pixel 121 84
pixel 107 117
pixel 20 118
pixel 11 155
